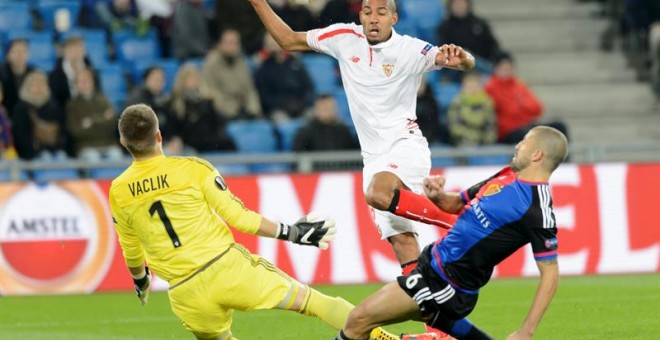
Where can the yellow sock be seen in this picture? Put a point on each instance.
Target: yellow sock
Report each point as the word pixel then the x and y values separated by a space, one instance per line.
pixel 381 334
pixel 331 310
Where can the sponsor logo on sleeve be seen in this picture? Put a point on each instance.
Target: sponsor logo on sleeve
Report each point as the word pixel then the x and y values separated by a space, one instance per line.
pixel 551 243
pixel 426 49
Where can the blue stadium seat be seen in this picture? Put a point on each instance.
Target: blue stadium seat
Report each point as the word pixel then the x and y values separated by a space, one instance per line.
pixel 113 83
pixel 254 136
pixel 406 27
pixel 170 66
pixel 288 131
pixel 343 111
pixel 41 44
pixel 105 173
pixel 321 69
pixel 95 44
pixel 15 16
pixel 131 48
pixel 49 8
pixel 426 16
pixel 444 93
pixel 44 65
pixel 49 175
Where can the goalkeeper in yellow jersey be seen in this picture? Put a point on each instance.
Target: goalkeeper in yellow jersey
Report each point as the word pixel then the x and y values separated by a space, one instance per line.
pixel 174 213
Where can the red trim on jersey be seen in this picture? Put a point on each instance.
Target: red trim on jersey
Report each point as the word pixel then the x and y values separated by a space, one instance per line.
pixel 546 253
pixel 331 34
pixel 371 56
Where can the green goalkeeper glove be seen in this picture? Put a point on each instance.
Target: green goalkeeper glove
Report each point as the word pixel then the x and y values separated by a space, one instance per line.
pixel 142 286
pixel 309 231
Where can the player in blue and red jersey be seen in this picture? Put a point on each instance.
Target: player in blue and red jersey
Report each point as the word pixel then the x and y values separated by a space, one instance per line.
pixel 497 217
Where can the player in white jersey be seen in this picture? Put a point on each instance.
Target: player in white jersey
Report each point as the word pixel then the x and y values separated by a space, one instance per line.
pixel 381 72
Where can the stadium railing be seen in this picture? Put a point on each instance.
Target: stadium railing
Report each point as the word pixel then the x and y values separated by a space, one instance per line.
pixel 352 160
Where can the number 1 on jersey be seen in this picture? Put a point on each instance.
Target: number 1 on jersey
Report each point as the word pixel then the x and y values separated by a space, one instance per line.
pixel 157 207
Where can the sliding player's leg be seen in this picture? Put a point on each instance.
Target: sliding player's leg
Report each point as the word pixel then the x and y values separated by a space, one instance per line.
pixel 387 306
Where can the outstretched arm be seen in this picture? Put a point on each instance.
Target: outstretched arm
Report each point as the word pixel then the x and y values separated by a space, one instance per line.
pixel 454 57
pixel 287 38
pixel 544 293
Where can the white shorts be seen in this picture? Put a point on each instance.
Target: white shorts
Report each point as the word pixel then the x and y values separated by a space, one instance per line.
pixel 410 160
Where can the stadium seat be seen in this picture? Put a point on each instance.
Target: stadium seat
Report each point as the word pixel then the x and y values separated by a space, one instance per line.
pixel 44 65
pixel 444 93
pixel 288 131
pixel 49 8
pixel 406 27
pixel 254 136
pixel 41 44
pixel 49 175
pixel 343 111
pixel 425 16
pixel 131 48
pixel 105 173
pixel 113 84
pixel 170 66
pixel 14 16
pixel 95 44
pixel 321 69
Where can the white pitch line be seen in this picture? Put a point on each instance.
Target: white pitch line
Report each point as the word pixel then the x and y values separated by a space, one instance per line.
pixel 93 322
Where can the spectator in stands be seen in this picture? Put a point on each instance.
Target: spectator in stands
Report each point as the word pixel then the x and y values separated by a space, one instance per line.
pixel 472 115
pixel 239 15
pixel 91 121
pixel 192 119
pixel 325 131
pixel 227 79
pixel 517 108
pixel 428 115
pixel 340 11
pixel 298 17
pixel 7 150
pixel 284 86
pixel 115 15
pixel 38 121
pixel 152 92
pixel 13 71
pixel 62 79
pixel 190 36
pixel 158 13
pixel 463 28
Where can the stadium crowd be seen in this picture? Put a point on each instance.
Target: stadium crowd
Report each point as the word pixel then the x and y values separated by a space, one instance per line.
pixel 69 67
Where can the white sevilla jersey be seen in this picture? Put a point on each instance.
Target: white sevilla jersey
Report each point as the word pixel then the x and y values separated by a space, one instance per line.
pixel 381 81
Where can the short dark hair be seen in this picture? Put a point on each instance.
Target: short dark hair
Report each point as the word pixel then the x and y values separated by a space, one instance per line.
pixel 391 5
pixel 553 143
pixel 148 70
pixel 138 125
pixel 503 56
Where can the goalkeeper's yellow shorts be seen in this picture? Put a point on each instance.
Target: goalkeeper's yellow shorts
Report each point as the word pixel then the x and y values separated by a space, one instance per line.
pixel 236 280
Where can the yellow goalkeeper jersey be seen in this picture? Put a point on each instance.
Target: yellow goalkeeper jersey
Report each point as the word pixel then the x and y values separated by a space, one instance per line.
pixel 174 213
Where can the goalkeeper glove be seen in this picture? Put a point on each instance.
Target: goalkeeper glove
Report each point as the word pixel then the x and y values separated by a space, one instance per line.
pixel 142 286
pixel 309 230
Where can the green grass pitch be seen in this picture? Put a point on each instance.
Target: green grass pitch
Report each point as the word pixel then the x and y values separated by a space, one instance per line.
pixel 605 307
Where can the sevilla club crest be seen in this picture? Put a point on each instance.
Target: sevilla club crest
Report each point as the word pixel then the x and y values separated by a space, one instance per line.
pixel 387 69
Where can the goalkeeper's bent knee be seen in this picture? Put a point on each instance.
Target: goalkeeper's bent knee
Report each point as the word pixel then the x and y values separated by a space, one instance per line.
pixel 331 310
